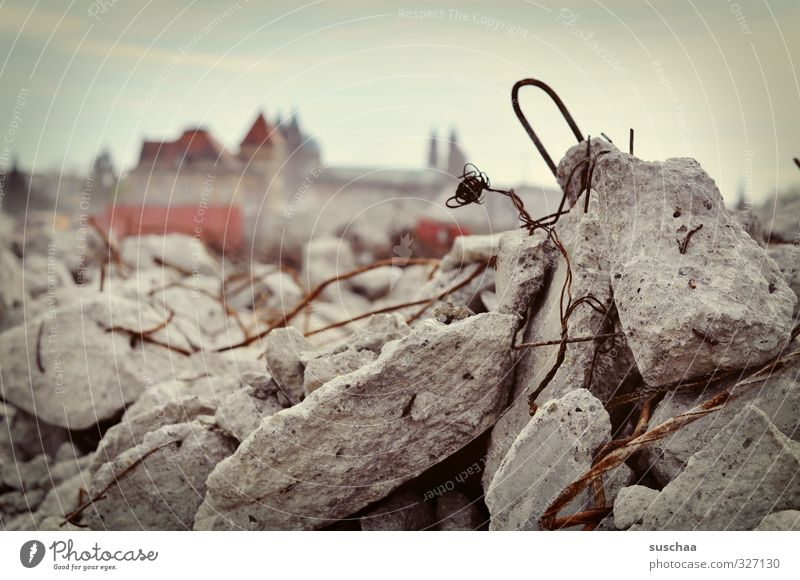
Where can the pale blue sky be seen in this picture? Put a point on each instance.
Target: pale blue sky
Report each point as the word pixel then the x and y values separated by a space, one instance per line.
pixel 371 78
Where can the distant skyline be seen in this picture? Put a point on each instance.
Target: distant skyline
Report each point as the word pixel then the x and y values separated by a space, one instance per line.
pixel 370 79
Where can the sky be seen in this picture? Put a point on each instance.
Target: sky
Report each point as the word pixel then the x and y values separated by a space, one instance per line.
pixel 370 80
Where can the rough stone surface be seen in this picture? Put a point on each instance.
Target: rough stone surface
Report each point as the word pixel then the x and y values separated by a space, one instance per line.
pixel 10 282
pixel 455 512
pixel 241 412
pixel 401 511
pixel 778 396
pixel 163 490
pixel 138 422
pixel 469 250
pixel 522 264
pixel 750 223
pixel 779 216
pixel 324 258
pixel 363 435
pixel 785 521
pixel 186 254
pixel 631 504
pixel 747 471
pixel 377 283
pixel 69 370
pixel 787 256
pixel 723 304
pixel 322 368
pixel 552 451
pixel 282 349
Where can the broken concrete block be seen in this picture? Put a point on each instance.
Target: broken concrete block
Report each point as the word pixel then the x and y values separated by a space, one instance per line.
pixel 523 262
pixel 751 224
pixel 694 292
pixel 552 451
pixel 363 435
pixel 470 250
pixel 778 396
pixel 631 504
pixel 282 349
pixel 455 512
pixel 401 511
pixel 377 283
pixel 10 282
pixel 24 436
pixel 323 367
pixel 779 216
pixel 186 254
pixel 785 521
pixel 158 484
pixel 81 363
pixel 46 274
pixel 26 475
pixel 748 470
pixel 138 422
pixel 324 258
pixel 787 256
pixel 241 412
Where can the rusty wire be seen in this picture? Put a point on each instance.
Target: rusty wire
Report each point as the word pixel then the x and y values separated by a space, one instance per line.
pixel 527 126
pixel 315 293
pixel 425 301
pixel 70 517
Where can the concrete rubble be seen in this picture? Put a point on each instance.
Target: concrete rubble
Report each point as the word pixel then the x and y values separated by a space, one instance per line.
pixel 142 387
pixel 695 293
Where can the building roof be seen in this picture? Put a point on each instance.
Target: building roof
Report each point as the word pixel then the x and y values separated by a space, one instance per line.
pixel 260 133
pixel 193 146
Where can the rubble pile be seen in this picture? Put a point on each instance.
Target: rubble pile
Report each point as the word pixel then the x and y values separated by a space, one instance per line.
pixel 632 366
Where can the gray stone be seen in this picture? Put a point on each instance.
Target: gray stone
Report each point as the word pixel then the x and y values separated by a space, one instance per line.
pixel 186 254
pixel 282 349
pixel 24 436
pixel 748 470
pixel 322 368
pixel 631 504
pixel 74 366
pixel 751 224
pixel 46 274
pixel 778 396
pixel 455 512
pixel 780 218
pixel 523 262
pixel 324 258
pixel 15 502
pixel 241 412
pixel 10 282
pixel 785 521
pixel 163 481
pixel 139 421
pixel 787 256
pixel 401 511
pixel 363 435
pixel 26 475
pixel 552 451
pixel 470 250
pixel 376 283
pixel 722 304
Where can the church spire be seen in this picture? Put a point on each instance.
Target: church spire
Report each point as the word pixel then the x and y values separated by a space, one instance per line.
pixel 433 152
